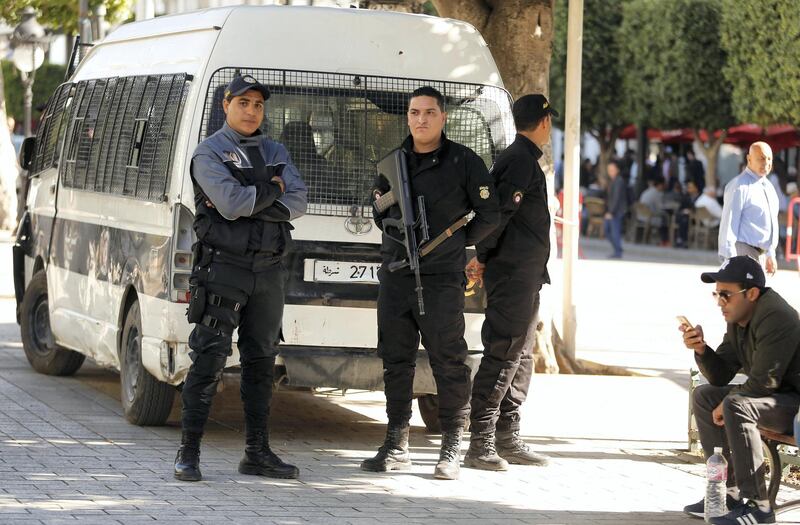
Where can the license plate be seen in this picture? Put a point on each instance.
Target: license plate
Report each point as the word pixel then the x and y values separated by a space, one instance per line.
pixel 345 272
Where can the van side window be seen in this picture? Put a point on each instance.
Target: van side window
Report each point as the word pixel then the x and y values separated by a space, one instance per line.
pixel 122 133
pixel 337 126
pixel 51 130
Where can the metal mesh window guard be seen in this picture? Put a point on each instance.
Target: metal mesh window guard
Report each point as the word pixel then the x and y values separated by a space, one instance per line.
pixel 104 116
pixel 336 127
pixel 51 130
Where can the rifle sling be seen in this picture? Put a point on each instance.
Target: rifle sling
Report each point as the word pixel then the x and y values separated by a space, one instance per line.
pixel 430 246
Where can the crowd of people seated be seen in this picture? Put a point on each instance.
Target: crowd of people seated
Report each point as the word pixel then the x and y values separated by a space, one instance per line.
pixel 675 206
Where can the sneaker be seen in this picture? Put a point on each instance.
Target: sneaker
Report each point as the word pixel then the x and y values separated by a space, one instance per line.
pixel 745 514
pixel 697 510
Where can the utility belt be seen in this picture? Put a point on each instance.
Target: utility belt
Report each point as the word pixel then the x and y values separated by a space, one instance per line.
pixel 219 289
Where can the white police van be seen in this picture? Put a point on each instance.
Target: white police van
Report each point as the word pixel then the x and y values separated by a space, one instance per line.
pixel 103 255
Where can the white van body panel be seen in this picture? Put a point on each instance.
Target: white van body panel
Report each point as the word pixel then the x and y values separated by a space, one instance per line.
pixel 326 39
pixel 357 327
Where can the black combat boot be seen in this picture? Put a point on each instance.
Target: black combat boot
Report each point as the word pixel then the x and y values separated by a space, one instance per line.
pixel 260 460
pixel 511 448
pixel 482 453
pixel 450 455
pixel 393 454
pixel 187 462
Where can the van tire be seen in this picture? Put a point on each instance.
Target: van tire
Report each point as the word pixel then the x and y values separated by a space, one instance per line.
pixel 428 405
pixel 429 410
pixel 44 355
pixel 145 400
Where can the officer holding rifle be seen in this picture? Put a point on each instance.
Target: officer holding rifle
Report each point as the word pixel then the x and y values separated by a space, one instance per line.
pixel 433 184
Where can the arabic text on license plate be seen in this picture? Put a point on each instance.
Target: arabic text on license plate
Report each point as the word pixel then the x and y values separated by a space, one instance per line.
pixel 342 271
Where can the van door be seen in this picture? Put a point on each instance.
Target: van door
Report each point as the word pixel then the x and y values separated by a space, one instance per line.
pixel 43 181
pixel 114 222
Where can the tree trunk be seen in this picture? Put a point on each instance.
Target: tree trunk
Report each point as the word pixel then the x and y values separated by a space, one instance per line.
pixel 520 36
pixel 607 141
pixel 8 168
pixel 711 153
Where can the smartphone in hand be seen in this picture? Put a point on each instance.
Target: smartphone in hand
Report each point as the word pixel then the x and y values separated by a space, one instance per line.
pixel 684 321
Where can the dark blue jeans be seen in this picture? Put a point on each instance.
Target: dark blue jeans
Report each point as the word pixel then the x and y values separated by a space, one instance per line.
pixel 613 231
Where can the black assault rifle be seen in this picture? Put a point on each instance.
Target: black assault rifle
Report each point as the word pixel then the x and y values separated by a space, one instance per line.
pixel 394 170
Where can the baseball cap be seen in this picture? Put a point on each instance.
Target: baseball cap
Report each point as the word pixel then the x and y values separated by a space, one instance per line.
pixel 739 269
pixel 242 84
pixel 534 107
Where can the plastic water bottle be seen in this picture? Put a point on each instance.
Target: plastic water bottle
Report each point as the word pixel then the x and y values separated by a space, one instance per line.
pixel 716 477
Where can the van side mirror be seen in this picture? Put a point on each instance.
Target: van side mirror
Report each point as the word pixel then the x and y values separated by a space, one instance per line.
pixel 26 153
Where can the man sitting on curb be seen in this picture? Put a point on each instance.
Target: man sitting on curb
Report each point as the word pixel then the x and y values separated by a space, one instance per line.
pixel 762 341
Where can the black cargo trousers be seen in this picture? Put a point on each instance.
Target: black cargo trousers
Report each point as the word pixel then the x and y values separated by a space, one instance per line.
pixel 251 301
pixel 442 330
pixel 501 384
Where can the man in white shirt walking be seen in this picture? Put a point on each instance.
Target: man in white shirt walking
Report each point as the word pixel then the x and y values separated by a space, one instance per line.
pixel 749 224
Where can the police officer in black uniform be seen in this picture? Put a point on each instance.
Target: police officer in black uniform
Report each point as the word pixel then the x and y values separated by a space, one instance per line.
pixel 454 182
pixel 246 192
pixel 512 263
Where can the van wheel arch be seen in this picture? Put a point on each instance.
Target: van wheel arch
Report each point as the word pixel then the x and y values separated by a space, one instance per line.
pixel 38 265
pixel 129 297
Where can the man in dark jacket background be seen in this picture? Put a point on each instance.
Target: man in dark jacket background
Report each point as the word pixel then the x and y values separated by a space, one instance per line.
pixel 763 342
pixel 512 263
pixel 616 207
pixel 454 182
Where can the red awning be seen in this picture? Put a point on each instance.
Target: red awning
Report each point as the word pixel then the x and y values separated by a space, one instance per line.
pixel 778 136
pixel 669 136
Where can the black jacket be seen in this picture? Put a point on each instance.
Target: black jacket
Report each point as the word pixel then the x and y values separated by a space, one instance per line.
pixel 767 350
pixel 454 182
pixel 248 222
pixel 521 243
pixel 617 203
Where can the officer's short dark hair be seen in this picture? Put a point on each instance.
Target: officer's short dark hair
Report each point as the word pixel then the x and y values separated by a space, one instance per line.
pixel 428 91
pixel 530 110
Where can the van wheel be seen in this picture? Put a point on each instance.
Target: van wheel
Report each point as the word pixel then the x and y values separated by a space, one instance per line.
pixel 429 410
pixel 145 399
pixel 44 355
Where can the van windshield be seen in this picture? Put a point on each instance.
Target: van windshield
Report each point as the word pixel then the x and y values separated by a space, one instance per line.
pixel 338 126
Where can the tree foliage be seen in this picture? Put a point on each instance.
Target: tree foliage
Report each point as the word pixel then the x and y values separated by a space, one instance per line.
pixel 762 39
pixel 601 76
pixel 61 15
pixel 48 78
pixel 672 64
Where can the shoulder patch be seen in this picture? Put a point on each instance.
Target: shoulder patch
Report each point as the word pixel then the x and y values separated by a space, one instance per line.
pixel 233 157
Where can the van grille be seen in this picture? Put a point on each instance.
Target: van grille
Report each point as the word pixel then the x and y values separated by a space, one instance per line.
pixel 338 126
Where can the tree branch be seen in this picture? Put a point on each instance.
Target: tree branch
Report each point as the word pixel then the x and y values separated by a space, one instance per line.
pixel 475 12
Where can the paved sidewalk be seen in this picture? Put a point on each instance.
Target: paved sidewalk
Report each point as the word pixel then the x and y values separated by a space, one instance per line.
pixel 68 456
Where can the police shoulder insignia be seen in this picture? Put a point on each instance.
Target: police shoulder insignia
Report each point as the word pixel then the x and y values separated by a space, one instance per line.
pixel 484 192
pixel 517 197
pixel 234 157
